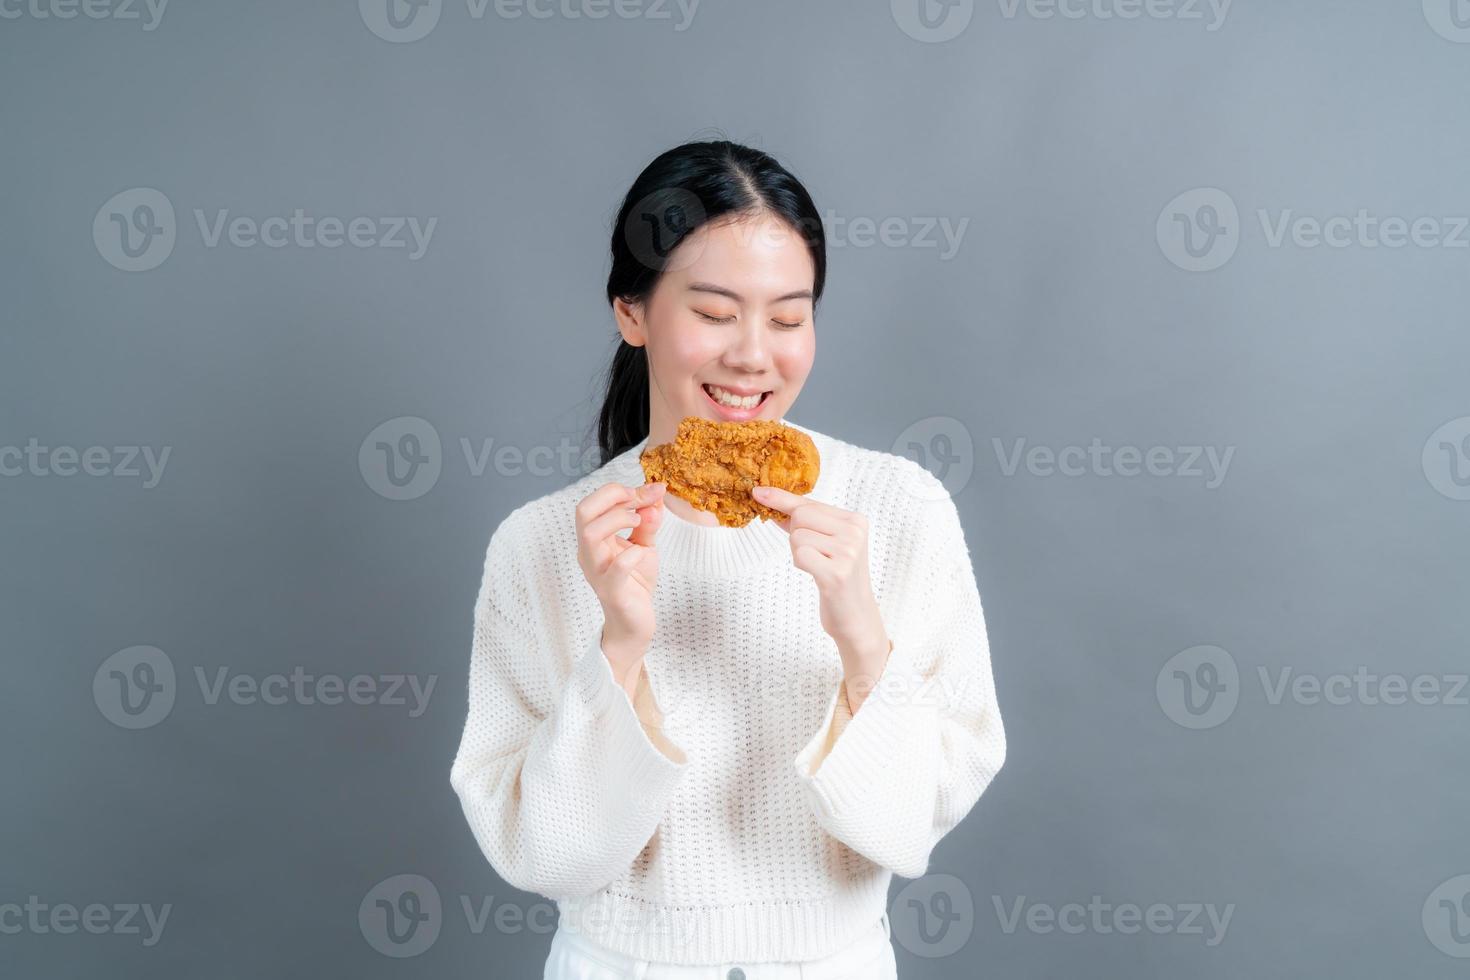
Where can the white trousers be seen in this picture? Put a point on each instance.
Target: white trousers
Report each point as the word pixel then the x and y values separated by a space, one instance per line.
pixel 573 957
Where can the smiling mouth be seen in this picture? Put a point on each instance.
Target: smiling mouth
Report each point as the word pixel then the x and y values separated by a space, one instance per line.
pixel 729 400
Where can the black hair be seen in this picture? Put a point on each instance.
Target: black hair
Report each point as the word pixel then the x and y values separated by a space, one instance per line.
pixel 681 190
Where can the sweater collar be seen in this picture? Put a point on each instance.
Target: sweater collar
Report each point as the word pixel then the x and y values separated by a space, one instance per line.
pixel 712 548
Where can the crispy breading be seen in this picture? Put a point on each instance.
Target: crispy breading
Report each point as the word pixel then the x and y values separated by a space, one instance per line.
pixel 713 465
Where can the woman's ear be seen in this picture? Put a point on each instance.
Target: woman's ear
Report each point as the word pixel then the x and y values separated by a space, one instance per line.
pixel 630 322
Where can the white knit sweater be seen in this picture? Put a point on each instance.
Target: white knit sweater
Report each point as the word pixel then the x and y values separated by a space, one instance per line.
pixel 738 812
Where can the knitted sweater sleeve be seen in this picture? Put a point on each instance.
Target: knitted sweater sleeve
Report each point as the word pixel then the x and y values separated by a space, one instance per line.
pixel 894 778
pixel 562 782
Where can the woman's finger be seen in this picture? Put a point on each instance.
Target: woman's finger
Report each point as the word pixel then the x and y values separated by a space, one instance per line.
pixel 823 543
pixel 625 561
pixel 609 524
pixel 802 511
pixel 812 561
pixel 628 563
pixel 652 517
pixel 818 516
pixel 599 501
pixel 782 500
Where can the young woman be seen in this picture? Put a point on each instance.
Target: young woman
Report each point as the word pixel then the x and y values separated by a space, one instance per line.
pixel 715 746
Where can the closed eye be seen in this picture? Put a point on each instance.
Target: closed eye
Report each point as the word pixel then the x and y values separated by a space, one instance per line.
pixel 727 319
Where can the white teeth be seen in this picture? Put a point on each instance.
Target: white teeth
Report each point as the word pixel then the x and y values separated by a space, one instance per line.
pixel 733 401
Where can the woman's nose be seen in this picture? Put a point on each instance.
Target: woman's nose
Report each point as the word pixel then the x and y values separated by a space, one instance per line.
pixel 748 351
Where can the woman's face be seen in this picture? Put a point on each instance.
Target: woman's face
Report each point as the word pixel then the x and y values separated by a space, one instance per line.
pixel 731 317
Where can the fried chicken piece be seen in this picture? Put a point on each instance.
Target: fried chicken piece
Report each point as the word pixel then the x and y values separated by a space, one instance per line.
pixel 713 465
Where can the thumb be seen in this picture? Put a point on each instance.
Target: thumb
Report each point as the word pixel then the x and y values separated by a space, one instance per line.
pixel 651 517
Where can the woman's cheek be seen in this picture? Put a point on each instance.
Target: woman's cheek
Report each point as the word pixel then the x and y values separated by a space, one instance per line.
pixel 694 350
pixel 795 359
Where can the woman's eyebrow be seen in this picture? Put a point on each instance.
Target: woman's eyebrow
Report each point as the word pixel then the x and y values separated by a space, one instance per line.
pixel 709 287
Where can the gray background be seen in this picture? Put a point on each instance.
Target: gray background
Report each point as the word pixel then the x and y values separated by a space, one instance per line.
pixel 1334 542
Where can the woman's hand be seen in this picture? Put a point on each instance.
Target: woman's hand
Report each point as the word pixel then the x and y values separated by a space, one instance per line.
pixel 831 545
pixel 622 572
